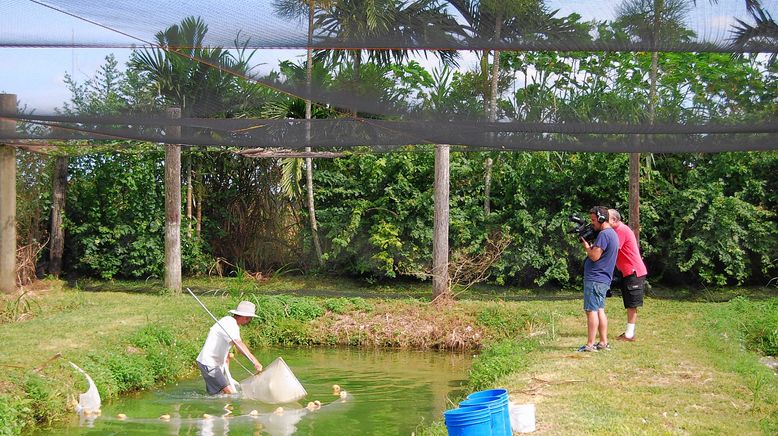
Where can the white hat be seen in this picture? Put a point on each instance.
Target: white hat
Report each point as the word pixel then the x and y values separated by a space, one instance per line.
pixel 245 308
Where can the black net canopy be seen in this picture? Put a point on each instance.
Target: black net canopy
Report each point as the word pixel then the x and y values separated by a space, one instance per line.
pixel 585 75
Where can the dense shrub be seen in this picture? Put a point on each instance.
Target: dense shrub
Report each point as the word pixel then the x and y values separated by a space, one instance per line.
pixel 498 360
pixel 758 324
pixel 343 304
pixel 503 321
pixel 274 308
pixel 115 218
pixel 705 219
pixel 44 402
pixel 14 415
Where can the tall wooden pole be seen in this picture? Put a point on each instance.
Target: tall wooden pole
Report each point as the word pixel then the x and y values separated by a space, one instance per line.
pixel 308 160
pixel 173 206
pixel 440 278
pixel 7 198
pixel 189 197
pixel 58 192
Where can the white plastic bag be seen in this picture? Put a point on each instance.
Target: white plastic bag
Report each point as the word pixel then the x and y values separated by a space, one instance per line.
pixel 275 385
pixel 89 401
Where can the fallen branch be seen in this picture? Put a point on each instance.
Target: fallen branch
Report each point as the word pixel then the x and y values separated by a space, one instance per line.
pixel 40 367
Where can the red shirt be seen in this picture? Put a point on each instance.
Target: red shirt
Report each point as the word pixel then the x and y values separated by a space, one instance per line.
pixel 628 260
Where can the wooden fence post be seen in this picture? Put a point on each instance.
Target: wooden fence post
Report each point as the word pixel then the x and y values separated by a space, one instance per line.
pixel 173 206
pixel 440 278
pixel 7 198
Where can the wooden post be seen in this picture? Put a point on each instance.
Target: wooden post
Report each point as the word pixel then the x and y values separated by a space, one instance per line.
pixel 189 197
pixel 58 190
pixel 7 199
pixel 173 206
pixel 440 278
pixel 634 190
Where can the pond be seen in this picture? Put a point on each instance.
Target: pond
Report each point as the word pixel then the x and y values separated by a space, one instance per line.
pixel 389 393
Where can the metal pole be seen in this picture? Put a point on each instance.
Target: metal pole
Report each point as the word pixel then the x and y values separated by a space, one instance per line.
pixel 217 322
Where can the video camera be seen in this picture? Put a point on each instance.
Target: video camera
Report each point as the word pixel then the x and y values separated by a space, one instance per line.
pixel 583 229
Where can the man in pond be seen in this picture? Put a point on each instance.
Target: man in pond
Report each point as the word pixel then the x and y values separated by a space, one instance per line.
pixel 213 358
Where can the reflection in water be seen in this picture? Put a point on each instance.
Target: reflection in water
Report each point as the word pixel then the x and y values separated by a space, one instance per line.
pixel 387 393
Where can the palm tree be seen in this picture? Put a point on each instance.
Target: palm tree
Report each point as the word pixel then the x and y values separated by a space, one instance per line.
pixel 503 20
pixel 200 80
pixel 653 21
pixel 395 23
pixel 297 9
pixel 763 33
pixel 650 21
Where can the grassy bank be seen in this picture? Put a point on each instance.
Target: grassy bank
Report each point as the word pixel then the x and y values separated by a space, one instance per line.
pixel 140 337
pixel 691 370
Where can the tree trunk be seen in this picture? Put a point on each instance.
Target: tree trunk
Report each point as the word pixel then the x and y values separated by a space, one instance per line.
pixel 634 191
pixel 634 158
pixel 173 207
pixel 199 209
pixel 357 72
pixel 58 192
pixel 7 199
pixel 308 160
pixel 440 277
pixel 491 111
pixel 189 198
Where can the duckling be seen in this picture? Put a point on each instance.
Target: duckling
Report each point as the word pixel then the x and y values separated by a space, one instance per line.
pixel 335 390
pixel 343 395
pixel 165 417
pixel 317 403
pixel 311 406
pixel 121 417
pixel 207 416
pixel 279 411
pixel 254 413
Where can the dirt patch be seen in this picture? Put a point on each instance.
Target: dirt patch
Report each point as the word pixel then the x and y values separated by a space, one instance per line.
pixel 7 387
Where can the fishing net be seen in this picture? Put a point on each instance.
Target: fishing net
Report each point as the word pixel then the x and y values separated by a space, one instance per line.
pixel 89 401
pixel 275 385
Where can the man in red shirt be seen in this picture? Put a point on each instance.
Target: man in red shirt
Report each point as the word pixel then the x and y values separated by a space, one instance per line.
pixel 632 268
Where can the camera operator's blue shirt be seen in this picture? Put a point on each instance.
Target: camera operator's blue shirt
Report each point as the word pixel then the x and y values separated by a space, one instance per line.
pixel 602 270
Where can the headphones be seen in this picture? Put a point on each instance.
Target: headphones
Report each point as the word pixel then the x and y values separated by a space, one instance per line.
pixel 600 217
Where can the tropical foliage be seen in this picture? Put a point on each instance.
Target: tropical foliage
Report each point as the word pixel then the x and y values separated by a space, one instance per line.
pixel 705 218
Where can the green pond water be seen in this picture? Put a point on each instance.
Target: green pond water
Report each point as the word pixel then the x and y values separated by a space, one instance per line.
pixel 388 393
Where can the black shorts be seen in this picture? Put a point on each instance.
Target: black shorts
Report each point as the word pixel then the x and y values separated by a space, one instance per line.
pixel 632 290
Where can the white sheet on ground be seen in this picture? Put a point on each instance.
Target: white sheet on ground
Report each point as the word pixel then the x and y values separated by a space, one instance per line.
pixel 275 385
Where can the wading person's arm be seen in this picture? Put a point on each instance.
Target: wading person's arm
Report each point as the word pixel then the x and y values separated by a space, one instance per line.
pixel 244 350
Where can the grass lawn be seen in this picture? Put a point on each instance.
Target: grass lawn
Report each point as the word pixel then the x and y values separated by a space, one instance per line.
pixel 688 372
pixel 681 375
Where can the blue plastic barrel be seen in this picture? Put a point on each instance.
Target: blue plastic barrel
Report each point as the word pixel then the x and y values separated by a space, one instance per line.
pixel 497 401
pixel 499 392
pixel 469 421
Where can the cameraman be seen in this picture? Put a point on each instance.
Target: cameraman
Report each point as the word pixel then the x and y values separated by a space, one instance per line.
pixel 632 268
pixel 598 274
